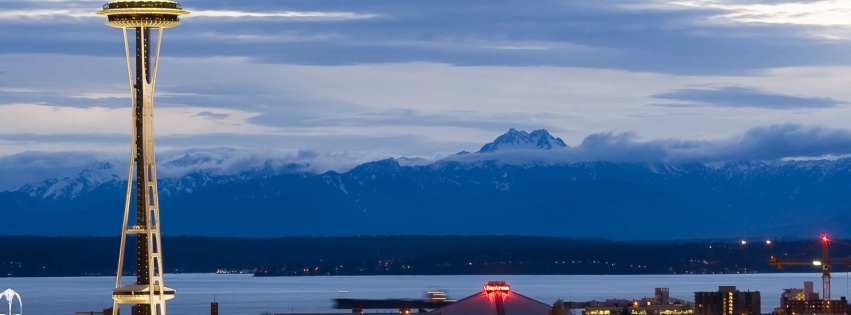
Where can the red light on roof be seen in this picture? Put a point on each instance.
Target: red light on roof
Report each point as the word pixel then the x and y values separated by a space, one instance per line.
pixel 496 286
pixel 824 238
pixel 496 291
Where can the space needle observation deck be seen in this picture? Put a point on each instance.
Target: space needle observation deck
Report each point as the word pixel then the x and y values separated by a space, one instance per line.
pixel 140 13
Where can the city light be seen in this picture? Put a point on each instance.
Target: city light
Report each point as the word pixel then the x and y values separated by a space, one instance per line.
pixel 496 287
pixel 496 291
pixel 816 263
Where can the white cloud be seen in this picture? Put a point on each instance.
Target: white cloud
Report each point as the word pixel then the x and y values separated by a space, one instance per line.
pixel 471 44
pixel 263 38
pixel 360 87
pixel 41 119
pixel 774 142
pixel 580 100
pixel 58 1
pixel 31 167
pixel 47 13
pixel 282 14
pixel 822 13
pixel 75 11
pixel 519 47
pixel 445 108
pixel 829 16
pixel 19 90
pixel 44 120
pixel 235 160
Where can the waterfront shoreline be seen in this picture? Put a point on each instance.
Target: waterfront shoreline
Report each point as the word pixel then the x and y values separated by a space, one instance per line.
pixel 244 294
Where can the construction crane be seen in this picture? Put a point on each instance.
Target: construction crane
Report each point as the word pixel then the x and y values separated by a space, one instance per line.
pixel 825 264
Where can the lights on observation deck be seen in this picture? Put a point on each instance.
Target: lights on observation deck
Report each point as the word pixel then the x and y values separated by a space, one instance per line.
pixel 143 13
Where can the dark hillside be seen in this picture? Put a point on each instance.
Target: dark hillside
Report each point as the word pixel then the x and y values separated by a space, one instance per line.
pixel 409 255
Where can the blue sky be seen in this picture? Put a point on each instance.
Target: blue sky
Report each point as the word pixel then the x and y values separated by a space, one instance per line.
pixel 343 82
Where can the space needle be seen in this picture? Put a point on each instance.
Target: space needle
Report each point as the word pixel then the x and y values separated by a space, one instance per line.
pixel 148 293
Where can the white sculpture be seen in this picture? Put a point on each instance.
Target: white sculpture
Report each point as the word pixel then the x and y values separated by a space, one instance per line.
pixel 10 296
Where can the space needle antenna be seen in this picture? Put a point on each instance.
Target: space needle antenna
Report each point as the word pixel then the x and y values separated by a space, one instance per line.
pixel 148 293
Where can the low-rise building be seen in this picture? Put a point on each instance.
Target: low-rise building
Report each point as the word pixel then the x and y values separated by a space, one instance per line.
pixel 660 304
pixel 496 298
pixel 816 307
pixel 806 302
pixel 727 301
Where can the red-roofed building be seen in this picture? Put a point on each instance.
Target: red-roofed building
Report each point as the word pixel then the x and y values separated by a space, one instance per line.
pixel 496 298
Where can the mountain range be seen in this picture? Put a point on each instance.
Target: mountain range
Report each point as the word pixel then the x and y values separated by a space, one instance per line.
pixel 519 184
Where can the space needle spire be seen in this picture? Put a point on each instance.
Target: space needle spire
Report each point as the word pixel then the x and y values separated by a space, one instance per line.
pixel 148 293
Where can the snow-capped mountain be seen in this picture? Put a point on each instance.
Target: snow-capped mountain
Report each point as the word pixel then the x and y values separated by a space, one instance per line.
pixel 182 173
pixel 89 179
pixel 521 140
pixel 489 196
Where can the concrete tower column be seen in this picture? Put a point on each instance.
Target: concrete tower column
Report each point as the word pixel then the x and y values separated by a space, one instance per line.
pixel 148 293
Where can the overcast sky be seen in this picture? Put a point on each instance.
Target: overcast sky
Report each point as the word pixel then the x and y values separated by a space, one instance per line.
pixel 362 79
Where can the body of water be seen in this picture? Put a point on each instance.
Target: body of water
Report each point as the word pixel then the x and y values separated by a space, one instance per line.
pixel 247 295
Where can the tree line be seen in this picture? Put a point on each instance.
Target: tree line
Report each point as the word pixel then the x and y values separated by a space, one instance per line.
pixel 27 256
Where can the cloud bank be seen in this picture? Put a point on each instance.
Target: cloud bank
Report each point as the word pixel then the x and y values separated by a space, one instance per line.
pixel 775 142
pixel 666 36
pixel 33 167
pixel 381 78
pixel 745 97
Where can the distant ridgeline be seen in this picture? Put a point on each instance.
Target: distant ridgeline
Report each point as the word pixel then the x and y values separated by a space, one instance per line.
pixel 520 184
pixel 24 256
